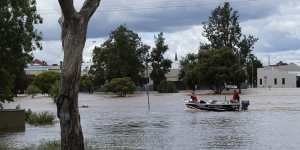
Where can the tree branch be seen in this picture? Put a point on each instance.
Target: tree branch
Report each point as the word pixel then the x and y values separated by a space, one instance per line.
pixel 67 8
pixel 89 7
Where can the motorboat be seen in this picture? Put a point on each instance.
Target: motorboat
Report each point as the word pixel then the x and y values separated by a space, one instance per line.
pixel 218 106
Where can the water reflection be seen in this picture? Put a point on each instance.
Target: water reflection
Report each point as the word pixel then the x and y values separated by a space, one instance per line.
pixel 125 123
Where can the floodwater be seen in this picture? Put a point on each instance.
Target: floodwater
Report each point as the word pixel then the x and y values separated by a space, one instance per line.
pixel 272 122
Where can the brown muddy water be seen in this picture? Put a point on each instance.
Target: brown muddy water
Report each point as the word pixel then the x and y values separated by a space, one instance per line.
pixel 272 122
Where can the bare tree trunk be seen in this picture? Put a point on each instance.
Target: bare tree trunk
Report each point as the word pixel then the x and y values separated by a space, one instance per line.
pixel 73 40
pixel 74 26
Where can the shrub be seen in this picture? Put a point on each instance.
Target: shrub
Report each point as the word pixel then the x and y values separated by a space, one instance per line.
pixel 45 80
pixel 167 87
pixel 33 90
pixel 121 86
pixel 42 118
pixel 6 86
pixel 54 90
pixel 86 83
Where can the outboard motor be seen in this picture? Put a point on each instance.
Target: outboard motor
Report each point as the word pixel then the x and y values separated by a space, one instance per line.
pixel 245 105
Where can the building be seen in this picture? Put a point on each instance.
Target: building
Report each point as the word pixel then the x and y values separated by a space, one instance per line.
pixel 36 70
pixel 173 75
pixel 279 76
pixel 37 67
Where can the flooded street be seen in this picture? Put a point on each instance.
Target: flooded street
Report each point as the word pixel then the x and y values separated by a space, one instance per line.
pixel 272 122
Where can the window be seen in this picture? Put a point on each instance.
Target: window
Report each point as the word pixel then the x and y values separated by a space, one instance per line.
pixel 260 81
pixel 275 81
pixel 283 81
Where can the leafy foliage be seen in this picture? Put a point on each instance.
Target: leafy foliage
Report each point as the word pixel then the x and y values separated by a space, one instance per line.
pixel 217 67
pixel 18 39
pixel 86 83
pixel 252 64
pixel 222 28
pixel 54 90
pixel 189 72
pixel 42 118
pixel 6 85
pixel 121 86
pixel 33 90
pixel 213 67
pixel 160 65
pixel 167 87
pixel 122 55
pixel 45 80
pixel 224 32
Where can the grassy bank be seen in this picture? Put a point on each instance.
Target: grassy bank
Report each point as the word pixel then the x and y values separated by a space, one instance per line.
pixel 44 145
pixel 42 118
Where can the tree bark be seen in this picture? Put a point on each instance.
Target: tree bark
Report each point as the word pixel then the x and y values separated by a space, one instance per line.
pixel 73 34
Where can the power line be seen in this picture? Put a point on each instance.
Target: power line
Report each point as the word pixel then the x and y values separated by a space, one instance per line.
pixel 175 4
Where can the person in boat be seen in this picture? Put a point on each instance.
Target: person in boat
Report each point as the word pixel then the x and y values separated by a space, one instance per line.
pixel 235 97
pixel 194 97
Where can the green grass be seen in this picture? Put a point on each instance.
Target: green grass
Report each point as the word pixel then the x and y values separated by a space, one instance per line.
pixel 3 146
pixel 43 145
pixel 37 119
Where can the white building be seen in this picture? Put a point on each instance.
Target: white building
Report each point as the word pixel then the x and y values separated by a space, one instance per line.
pixel 173 75
pixel 36 70
pixel 37 67
pixel 283 76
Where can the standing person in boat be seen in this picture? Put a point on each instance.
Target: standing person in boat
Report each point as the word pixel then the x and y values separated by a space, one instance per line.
pixel 235 97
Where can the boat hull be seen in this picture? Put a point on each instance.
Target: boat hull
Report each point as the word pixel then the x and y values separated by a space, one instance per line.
pixel 214 107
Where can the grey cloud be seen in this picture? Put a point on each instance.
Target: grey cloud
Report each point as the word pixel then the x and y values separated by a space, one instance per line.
pixel 275 22
pixel 156 15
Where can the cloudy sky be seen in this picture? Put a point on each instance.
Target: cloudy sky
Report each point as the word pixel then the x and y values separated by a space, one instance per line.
pixel 275 22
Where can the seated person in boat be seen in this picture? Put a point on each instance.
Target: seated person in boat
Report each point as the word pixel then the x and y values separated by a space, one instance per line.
pixel 194 97
pixel 235 97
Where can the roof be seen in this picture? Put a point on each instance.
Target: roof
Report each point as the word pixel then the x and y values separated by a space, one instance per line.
pixel 37 62
pixel 289 67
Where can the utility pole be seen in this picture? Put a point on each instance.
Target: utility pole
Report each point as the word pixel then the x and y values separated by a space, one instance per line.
pixel 147 85
pixel 252 73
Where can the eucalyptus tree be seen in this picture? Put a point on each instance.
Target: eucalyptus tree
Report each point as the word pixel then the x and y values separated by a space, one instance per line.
pixel 223 31
pixel 160 65
pixel 74 26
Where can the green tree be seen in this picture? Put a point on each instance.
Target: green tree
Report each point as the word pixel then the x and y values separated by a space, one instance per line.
pixel 160 65
pixel 246 46
pixel 222 28
pixel 223 31
pixel 18 38
pixel 121 86
pixel 86 83
pixel 166 87
pixel 45 80
pixel 6 85
pixel 33 90
pixel 122 55
pixel 54 90
pixel 217 67
pixel 189 71
pixel 252 64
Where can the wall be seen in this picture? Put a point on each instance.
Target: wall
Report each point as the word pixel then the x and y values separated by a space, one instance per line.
pixel 268 75
pixel 12 120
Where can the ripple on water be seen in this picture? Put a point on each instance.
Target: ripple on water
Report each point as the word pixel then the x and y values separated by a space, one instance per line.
pixel 272 122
